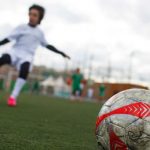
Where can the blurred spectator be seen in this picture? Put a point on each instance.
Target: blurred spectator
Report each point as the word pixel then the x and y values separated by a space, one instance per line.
pixel 90 93
pixel 36 87
pixel 77 85
pixel 102 90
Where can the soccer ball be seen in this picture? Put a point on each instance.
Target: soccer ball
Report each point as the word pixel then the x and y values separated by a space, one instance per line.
pixel 123 122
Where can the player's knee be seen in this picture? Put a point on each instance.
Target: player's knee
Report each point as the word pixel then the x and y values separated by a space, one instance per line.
pixel 5 59
pixel 24 70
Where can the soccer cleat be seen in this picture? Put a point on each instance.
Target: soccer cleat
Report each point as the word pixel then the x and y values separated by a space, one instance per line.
pixel 11 102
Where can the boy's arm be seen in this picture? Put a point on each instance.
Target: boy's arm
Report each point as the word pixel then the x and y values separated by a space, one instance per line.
pixel 52 48
pixel 13 36
pixel 4 41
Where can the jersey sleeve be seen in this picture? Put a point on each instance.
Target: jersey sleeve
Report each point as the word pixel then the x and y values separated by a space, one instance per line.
pixel 15 33
pixel 43 40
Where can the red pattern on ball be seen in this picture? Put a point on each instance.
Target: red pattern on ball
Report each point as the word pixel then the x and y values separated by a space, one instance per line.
pixel 139 109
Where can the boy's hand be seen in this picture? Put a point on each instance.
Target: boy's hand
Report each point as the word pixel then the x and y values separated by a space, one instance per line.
pixel 66 56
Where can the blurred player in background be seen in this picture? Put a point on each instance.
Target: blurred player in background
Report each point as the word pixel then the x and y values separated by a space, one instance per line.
pixel 27 38
pixel 77 86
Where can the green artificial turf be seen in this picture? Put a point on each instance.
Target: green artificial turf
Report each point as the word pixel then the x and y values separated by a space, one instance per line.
pixel 45 123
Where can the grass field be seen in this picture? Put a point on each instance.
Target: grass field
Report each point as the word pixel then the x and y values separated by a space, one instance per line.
pixel 44 123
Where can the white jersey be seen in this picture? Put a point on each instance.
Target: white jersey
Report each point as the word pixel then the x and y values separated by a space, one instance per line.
pixel 27 39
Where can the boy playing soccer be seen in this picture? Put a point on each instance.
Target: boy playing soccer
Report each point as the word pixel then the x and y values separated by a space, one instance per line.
pixel 27 38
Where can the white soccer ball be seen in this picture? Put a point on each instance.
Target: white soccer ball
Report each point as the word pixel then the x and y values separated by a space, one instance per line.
pixel 123 122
